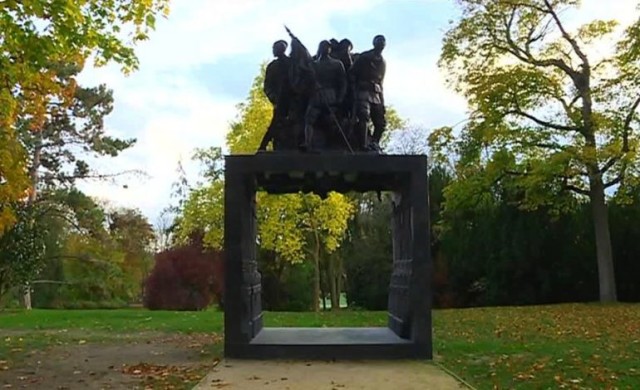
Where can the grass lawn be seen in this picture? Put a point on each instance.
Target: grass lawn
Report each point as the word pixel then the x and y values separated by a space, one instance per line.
pixel 560 346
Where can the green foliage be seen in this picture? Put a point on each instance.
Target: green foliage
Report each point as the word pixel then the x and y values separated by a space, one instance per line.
pixel 203 211
pixel 133 235
pixel 22 249
pixel 539 103
pixel 35 37
pixel 548 115
pixel 285 286
pixel 89 253
pixel 368 251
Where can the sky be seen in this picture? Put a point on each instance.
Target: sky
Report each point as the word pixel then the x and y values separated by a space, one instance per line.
pixel 200 62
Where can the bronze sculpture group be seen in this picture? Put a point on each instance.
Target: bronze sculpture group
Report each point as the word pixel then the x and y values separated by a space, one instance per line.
pixel 325 102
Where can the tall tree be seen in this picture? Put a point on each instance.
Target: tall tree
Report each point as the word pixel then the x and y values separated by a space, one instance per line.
pixel 55 151
pixel 35 36
pixel 547 114
pixel 68 134
pixel 133 235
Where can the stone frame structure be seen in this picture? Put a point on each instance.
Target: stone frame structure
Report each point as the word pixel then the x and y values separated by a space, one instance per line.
pixel 409 331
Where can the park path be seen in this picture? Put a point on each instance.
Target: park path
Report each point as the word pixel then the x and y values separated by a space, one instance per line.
pixel 347 375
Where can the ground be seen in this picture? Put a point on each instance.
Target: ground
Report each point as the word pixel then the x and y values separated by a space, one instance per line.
pixel 571 346
pixel 109 362
pixel 313 375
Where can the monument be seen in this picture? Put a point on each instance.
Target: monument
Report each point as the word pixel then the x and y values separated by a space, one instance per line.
pixel 324 106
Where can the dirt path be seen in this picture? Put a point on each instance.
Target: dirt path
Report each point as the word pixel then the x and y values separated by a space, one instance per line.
pixel 131 363
pixel 370 375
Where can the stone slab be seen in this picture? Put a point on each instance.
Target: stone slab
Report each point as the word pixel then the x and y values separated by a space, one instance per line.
pixel 327 336
pixel 299 375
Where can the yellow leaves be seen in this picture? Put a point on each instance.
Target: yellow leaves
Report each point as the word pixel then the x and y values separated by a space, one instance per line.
pixel 14 181
pixel 204 211
pixel 285 222
pixel 596 29
pixel 254 116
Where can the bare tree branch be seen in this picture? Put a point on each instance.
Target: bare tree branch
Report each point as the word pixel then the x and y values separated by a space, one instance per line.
pixel 103 176
pixel 615 181
pixel 612 161
pixel 543 122
pixel 525 55
pixel 576 189
pixel 626 129
pixel 565 35
pixel 627 125
pixel 49 282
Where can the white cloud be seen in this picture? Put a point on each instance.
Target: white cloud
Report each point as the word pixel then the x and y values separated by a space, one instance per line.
pixel 174 112
pixel 416 88
pixel 204 31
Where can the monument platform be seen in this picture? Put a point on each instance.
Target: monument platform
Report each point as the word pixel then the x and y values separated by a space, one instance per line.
pixel 408 334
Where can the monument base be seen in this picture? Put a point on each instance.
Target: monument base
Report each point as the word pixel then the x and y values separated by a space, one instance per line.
pixel 326 344
pixel 408 333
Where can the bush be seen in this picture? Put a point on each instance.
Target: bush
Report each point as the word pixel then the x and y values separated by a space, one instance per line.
pixel 184 278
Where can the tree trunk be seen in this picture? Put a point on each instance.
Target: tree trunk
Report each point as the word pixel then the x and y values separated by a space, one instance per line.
pixel 340 278
pixel 316 273
pixel 333 283
pixel 323 294
pixel 606 274
pixel 33 195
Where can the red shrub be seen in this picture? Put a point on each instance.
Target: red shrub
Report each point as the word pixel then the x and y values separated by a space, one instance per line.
pixel 184 278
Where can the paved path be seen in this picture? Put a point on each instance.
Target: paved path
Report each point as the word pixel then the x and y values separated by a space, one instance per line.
pixel 370 375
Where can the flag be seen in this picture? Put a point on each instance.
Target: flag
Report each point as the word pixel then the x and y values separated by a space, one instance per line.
pixel 300 73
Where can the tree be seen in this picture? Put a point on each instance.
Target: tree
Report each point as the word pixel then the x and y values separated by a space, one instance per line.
pixel 35 37
pixel 184 278
pixel 22 249
pixel 133 236
pixel 68 133
pixel 547 115
pixel 68 130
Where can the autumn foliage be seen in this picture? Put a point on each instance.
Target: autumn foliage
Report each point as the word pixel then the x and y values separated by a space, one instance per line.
pixel 185 278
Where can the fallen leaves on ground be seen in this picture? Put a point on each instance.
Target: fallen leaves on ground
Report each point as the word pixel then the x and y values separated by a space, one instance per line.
pixel 569 346
pixel 167 376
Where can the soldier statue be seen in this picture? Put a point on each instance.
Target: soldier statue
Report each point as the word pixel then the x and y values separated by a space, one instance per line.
pixel 366 77
pixel 330 79
pixel 343 53
pixel 277 88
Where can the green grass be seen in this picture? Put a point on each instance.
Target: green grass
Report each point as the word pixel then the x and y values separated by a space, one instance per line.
pixel 559 346
pixel 120 320
pixel 135 320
